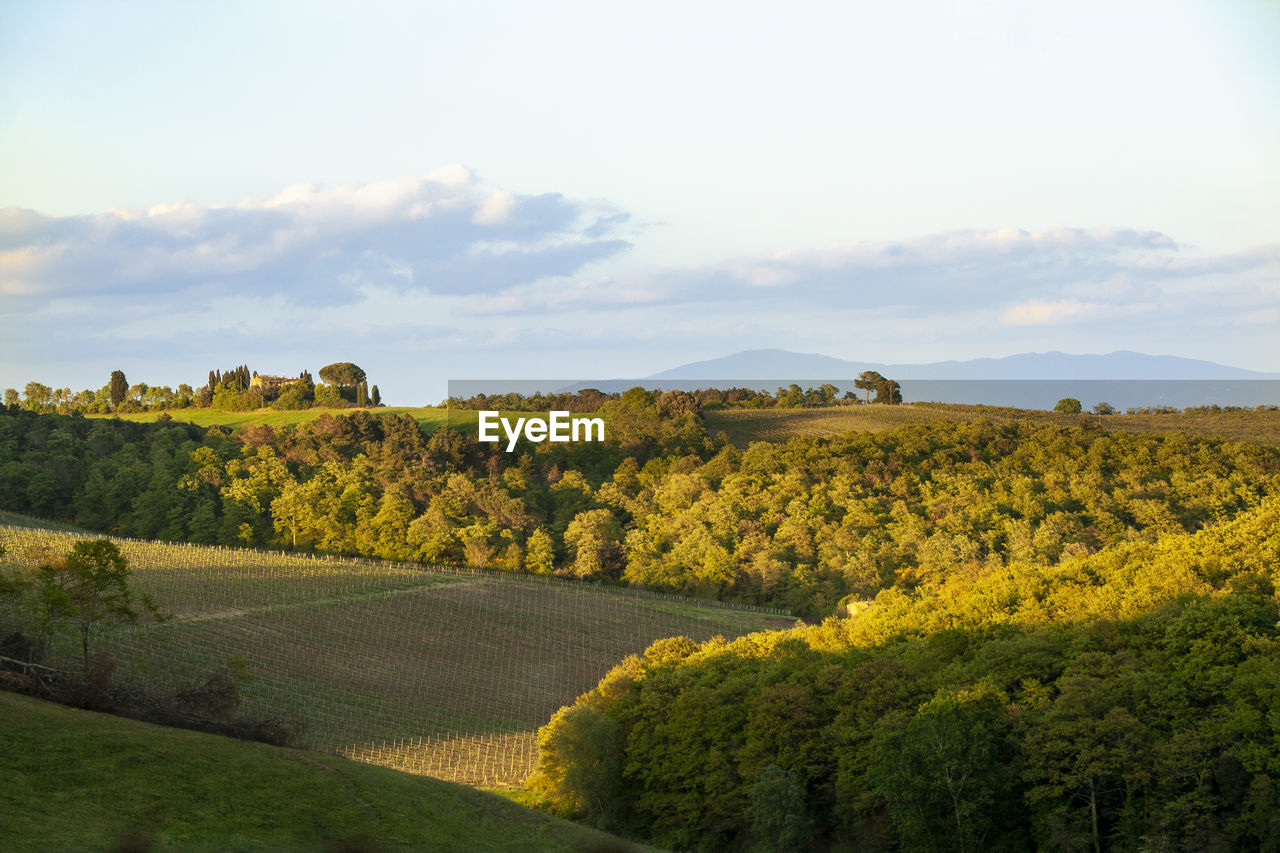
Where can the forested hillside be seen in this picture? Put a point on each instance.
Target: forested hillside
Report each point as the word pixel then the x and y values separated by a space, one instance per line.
pixel 802 525
pixel 1038 635
pixel 1124 700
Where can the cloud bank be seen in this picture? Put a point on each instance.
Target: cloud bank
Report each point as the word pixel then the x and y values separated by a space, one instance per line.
pixel 1039 277
pixel 443 233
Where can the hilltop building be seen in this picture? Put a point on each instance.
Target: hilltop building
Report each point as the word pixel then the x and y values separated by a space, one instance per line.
pixel 271 386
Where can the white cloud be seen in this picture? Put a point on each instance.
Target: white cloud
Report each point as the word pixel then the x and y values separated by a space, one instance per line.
pixel 1041 313
pixel 496 208
pixel 311 243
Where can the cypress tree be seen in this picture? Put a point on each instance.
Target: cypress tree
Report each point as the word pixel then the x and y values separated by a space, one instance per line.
pixel 362 394
pixel 119 387
pixel 377 398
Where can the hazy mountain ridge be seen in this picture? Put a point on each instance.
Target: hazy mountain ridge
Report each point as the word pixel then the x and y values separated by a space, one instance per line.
pixel 785 365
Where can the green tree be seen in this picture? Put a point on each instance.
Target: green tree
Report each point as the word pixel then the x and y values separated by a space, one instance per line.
pixel 1086 754
pixel 868 380
pixel 789 397
pixel 86 588
pixel 779 817
pixel 593 539
pixel 889 392
pixel 581 761
pixel 342 373
pixel 119 387
pixel 375 396
pixel 1068 406
pixel 944 773
pixel 633 419
pixel 296 395
pixel 328 397
pixel 541 554
pixel 37 397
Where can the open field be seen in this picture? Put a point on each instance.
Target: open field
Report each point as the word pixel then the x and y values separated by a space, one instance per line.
pixel 746 425
pixel 76 780
pixel 429 417
pixel 443 672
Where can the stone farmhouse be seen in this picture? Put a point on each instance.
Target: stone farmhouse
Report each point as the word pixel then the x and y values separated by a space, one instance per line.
pixel 271 386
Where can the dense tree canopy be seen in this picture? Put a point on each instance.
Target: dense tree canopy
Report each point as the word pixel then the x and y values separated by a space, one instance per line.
pixel 1124 700
pixel 805 525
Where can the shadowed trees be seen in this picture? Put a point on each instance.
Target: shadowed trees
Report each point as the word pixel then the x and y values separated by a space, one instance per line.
pixel 86 588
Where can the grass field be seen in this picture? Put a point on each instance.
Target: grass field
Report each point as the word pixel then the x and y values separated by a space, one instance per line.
pixel 746 425
pixel 76 780
pixel 429 417
pixel 446 673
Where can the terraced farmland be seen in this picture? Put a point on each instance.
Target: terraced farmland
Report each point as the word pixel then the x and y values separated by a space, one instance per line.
pixel 443 672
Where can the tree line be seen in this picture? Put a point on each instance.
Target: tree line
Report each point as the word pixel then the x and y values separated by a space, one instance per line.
pixel 674 402
pixel 236 389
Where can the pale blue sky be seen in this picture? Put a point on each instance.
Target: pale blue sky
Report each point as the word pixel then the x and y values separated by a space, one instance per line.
pixel 619 189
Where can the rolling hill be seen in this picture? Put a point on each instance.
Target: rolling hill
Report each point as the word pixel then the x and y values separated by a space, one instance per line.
pixel 77 780
pixel 445 672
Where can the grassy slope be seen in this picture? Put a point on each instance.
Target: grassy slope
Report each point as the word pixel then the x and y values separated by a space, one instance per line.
pixel 429 417
pixel 75 780
pixel 747 425
pixel 13 519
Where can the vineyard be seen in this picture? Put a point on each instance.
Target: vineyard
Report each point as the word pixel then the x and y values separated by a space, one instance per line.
pixel 442 672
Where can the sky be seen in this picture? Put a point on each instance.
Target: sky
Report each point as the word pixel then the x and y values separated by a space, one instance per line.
pixel 468 190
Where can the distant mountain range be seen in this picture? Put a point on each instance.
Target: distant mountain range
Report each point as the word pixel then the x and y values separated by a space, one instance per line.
pixel 776 364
